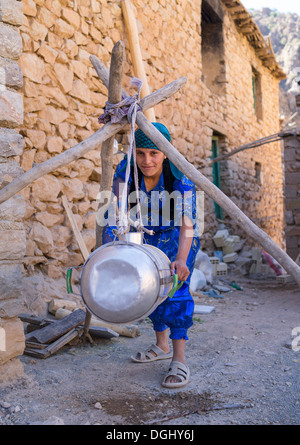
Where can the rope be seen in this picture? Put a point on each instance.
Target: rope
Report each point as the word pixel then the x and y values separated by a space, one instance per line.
pixel 114 113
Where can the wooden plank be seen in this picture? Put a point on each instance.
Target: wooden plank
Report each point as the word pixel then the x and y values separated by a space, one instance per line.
pixel 102 332
pixel 35 345
pixel 62 341
pixel 53 348
pixel 32 319
pixel 59 328
pixel 129 330
pixel 78 236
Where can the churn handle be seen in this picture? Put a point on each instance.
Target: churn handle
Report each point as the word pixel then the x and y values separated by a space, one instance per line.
pixel 69 278
pixel 176 285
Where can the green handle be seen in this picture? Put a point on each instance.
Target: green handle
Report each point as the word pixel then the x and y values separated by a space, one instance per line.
pixel 69 285
pixel 176 285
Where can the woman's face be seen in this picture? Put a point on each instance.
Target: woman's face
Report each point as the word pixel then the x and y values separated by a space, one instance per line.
pixel 149 161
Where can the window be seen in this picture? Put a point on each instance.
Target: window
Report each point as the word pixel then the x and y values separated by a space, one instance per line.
pixel 257 93
pixel 216 172
pixel 212 48
pixel 258 172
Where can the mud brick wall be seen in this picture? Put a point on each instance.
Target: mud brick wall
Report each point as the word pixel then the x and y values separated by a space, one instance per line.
pixel 12 231
pixel 63 98
pixel 292 193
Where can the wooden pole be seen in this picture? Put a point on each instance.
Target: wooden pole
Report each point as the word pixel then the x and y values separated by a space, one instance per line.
pixel 135 51
pixel 219 197
pixel 114 96
pixel 88 144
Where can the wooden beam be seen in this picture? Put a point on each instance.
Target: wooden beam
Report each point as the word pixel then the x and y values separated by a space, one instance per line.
pixel 220 198
pixel 88 144
pixel 83 249
pixel 114 96
pixel 135 51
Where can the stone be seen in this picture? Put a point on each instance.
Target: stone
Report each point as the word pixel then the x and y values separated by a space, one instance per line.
pixel 42 237
pixel 10 73
pixel 91 191
pixel 11 143
pixel 54 115
pixel 79 69
pixel 37 137
pixel 9 171
pixel 32 105
pixel 73 189
pixel 62 236
pixel 84 167
pixel 46 188
pixel 15 339
pixel 11 108
pixel 11 371
pixel 29 7
pixel 90 220
pixel 46 17
pixel 64 76
pixel 13 209
pixel 32 66
pixel 48 219
pixel 11 283
pixel 89 238
pixel 37 31
pixel 49 54
pixel 71 17
pixel 63 130
pixel 63 29
pixel 12 244
pixel 10 42
pixel 11 11
pixel 80 91
pixel 55 144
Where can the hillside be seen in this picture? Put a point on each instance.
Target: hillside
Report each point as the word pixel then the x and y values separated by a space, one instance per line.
pixel 284 32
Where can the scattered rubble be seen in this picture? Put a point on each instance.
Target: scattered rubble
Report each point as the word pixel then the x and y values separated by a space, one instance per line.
pixel 233 256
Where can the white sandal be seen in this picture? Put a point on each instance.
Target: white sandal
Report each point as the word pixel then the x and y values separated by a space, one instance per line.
pixel 179 370
pixel 147 356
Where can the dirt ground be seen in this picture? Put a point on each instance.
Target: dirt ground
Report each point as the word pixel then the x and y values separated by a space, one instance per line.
pixel 244 371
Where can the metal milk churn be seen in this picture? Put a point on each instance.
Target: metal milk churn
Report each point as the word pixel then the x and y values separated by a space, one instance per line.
pixel 124 281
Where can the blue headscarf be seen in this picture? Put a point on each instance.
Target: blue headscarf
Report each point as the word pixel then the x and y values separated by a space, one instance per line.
pixel 142 141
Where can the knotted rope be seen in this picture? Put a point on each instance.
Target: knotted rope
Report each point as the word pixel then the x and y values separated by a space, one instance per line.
pixel 129 106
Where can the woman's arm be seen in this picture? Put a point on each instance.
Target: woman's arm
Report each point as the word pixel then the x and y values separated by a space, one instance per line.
pixel 185 241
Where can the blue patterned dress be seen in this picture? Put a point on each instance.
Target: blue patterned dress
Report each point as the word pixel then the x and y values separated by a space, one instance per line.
pixel 175 313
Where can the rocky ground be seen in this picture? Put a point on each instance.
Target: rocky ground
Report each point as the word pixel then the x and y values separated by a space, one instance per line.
pixel 244 371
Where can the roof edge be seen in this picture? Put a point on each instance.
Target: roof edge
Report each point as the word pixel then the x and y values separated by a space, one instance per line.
pixel 246 26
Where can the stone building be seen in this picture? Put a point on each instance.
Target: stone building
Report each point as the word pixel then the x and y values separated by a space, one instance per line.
pixel 231 98
pixel 292 193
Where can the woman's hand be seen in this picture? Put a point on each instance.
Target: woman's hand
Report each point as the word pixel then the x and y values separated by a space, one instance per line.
pixel 179 266
pixel 185 241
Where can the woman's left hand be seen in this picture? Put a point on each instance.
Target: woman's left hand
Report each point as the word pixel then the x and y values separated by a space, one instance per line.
pixel 180 267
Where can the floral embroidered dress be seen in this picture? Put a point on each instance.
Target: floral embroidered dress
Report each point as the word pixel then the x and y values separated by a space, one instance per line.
pixel 176 312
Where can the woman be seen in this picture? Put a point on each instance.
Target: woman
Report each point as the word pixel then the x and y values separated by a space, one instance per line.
pixel 175 234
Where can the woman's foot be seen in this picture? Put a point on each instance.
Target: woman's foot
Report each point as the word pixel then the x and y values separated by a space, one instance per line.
pixel 153 353
pixel 177 376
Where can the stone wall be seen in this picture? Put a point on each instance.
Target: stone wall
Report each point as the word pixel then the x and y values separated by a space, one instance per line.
pixel 12 232
pixel 292 193
pixel 63 98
